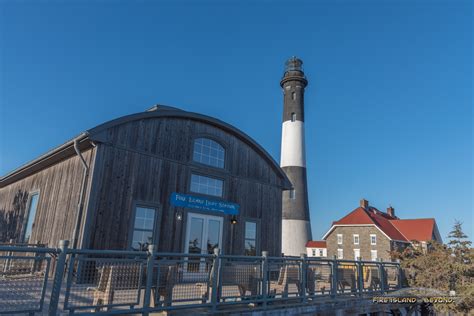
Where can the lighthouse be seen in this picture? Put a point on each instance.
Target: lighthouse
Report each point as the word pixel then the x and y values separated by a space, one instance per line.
pixel 296 227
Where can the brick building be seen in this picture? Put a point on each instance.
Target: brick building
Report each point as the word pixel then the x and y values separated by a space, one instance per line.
pixel 371 234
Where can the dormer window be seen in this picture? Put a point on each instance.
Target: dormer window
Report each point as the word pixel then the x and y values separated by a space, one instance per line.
pixel 208 152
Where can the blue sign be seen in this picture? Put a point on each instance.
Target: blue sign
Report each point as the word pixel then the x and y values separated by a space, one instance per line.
pixel 197 202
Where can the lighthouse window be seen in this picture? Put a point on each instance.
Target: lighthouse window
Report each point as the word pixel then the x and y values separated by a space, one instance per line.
pixel 208 152
pixel 292 194
pixel 293 116
pixel 206 185
pixel 293 95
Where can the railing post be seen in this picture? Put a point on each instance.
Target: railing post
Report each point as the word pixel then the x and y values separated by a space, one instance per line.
pixel 400 274
pixel 334 277
pixel 382 275
pixel 304 271
pixel 360 278
pixel 58 278
pixel 149 279
pixel 7 263
pixel 215 279
pixel 265 278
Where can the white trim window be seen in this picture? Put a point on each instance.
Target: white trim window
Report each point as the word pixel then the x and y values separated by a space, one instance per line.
pixel 356 254
pixel 356 239
pixel 313 251
pixel 373 239
pixel 339 239
pixel 340 254
pixel 373 255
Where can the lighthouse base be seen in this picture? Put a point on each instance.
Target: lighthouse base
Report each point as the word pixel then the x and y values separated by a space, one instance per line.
pixel 295 235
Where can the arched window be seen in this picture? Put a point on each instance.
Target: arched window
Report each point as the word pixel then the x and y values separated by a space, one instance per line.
pixel 208 152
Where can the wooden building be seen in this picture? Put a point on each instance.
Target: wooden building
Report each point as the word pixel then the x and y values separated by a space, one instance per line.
pixel 184 181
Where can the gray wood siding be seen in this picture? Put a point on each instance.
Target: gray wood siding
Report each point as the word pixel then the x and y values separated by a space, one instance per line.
pixel 59 189
pixel 145 161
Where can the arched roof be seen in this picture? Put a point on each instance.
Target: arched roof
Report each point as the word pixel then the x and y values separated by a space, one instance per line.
pixel 159 111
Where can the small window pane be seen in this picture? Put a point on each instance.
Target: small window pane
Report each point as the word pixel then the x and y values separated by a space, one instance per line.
pixel 250 248
pixel 292 194
pixel 141 239
pixel 206 185
pixel 250 230
pixel 208 152
pixel 31 217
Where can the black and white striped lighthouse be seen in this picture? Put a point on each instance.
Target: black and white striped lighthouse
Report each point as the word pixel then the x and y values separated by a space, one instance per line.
pixel 296 227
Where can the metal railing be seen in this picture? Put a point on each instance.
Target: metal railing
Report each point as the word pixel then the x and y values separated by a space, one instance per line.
pixel 124 282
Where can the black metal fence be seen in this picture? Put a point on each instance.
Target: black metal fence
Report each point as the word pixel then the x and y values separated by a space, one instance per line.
pixel 124 282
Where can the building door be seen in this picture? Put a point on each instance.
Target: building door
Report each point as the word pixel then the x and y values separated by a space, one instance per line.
pixel 203 235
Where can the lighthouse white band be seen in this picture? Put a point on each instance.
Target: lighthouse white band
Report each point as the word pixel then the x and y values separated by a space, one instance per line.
pixel 295 235
pixel 292 144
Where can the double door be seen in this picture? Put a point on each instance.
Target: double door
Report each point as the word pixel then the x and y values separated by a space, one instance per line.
pixel 203 235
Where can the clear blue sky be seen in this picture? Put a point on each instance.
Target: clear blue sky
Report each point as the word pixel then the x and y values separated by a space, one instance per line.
pixel 389 101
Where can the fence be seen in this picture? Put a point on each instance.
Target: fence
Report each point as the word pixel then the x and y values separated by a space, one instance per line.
pixel 124 282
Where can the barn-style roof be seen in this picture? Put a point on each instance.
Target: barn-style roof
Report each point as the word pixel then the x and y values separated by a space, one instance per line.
pixel 86 140
pixel 406 230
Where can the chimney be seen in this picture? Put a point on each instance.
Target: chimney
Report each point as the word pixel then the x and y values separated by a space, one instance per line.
pixel 364 204
pixel 391 211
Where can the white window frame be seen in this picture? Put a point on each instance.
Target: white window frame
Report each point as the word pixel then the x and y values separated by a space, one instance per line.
pixel 340 253
pixel 313 251
pixel 372 257
pixel 339 239
pixel 375 237
pixel 321 253
pixel 358 252
pixel 358 239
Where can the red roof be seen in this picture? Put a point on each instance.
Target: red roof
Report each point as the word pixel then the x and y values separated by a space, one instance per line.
pixel 393 227
pixel 420 229
pixel 316 244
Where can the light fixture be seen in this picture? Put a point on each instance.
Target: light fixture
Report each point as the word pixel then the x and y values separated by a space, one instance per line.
pixel 233 220
pixel 179 215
